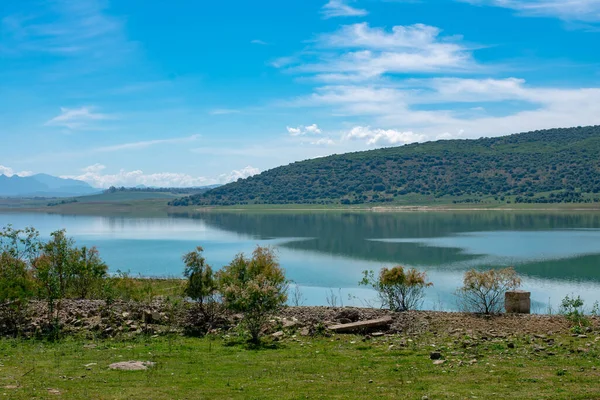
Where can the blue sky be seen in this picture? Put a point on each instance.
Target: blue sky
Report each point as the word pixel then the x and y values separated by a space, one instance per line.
pixel 184 93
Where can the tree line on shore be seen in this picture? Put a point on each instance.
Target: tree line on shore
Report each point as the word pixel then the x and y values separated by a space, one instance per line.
pixel 254 286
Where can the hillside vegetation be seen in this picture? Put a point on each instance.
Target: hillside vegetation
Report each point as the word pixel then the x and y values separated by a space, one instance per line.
pixel 550 166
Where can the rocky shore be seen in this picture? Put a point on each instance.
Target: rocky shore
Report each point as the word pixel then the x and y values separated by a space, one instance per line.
pixel 95 319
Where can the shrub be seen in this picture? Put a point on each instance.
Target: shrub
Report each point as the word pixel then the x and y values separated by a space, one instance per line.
pixel 17 249
pixel 53 268
pixel 255 287
pixel 572 308
pixel 398 289
pixel 483 292
pixel 63 270
pixel 201 287
pixel 16 288
pixel 88 272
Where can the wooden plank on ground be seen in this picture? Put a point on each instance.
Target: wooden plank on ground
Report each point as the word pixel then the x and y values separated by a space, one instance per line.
pixel 360 325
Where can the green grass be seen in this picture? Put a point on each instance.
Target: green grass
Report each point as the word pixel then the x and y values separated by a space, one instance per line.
pixel 298 368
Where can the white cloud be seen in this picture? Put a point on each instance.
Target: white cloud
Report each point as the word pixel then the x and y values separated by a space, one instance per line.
pixel 427 85
pixel 313 129
pixel 68 28
pixel 10 172
pixel 323 142
pixel 284 61
pixel 238 174
pixel 546 107
pixel 145 144
pixel 339 8
pixel 360 52
pixel 382 136
pixel 304 130
pixel 76 118
pixel 294 131
pixel 435 107
pixel 95 176
pixel 260 42
pixel 94 169
pixel 573 10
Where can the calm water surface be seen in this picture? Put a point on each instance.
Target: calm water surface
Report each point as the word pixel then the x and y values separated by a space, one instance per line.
pixel 556 253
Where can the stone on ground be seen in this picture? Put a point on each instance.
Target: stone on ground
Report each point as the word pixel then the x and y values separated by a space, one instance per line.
pixel 131 365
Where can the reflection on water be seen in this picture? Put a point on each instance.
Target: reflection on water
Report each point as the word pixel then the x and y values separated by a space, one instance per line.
pixel 557 253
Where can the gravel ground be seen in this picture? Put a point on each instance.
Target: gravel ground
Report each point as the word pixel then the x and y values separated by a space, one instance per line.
pixel 94 317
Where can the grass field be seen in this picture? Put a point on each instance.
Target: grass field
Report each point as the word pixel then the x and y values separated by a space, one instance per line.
pixel 339 367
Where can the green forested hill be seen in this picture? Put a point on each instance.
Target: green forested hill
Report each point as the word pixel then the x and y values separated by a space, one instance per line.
pixel 550 166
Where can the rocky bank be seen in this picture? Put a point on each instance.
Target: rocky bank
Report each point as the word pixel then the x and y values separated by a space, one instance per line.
pixel 94 318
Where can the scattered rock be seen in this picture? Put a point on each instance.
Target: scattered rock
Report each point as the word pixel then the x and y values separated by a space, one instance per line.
pixel 289 323
pixel 54 391
pixel 94 322
pixel 439 362
pixel 278 335
pixel 350 314
pixel 378 334
pixel 362 325
pixel 582 336
pixel 304 332
pixel 131 365
pixel 11 387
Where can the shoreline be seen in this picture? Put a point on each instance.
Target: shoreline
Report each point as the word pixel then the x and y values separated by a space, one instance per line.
pixel 131 318
pixel 120 209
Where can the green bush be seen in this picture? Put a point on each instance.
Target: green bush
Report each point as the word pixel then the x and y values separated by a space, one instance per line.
pixel 89 272
pixel 255 287
pixel 201 286
pixel 572 308
pixel 63 271
pixel 398 289
pixel 17 249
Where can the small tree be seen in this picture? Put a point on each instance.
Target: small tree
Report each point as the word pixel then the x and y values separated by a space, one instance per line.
pixel 17 249
pixel 88 272
pixel 54 266
pixel 255 287
pixel 201 285
pixel 483 292
pixel 398 289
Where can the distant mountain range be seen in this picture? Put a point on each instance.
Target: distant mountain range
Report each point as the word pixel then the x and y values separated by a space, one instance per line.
pixel 43 185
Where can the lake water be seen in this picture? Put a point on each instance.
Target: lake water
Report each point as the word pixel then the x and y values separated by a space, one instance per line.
pixel 324 253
